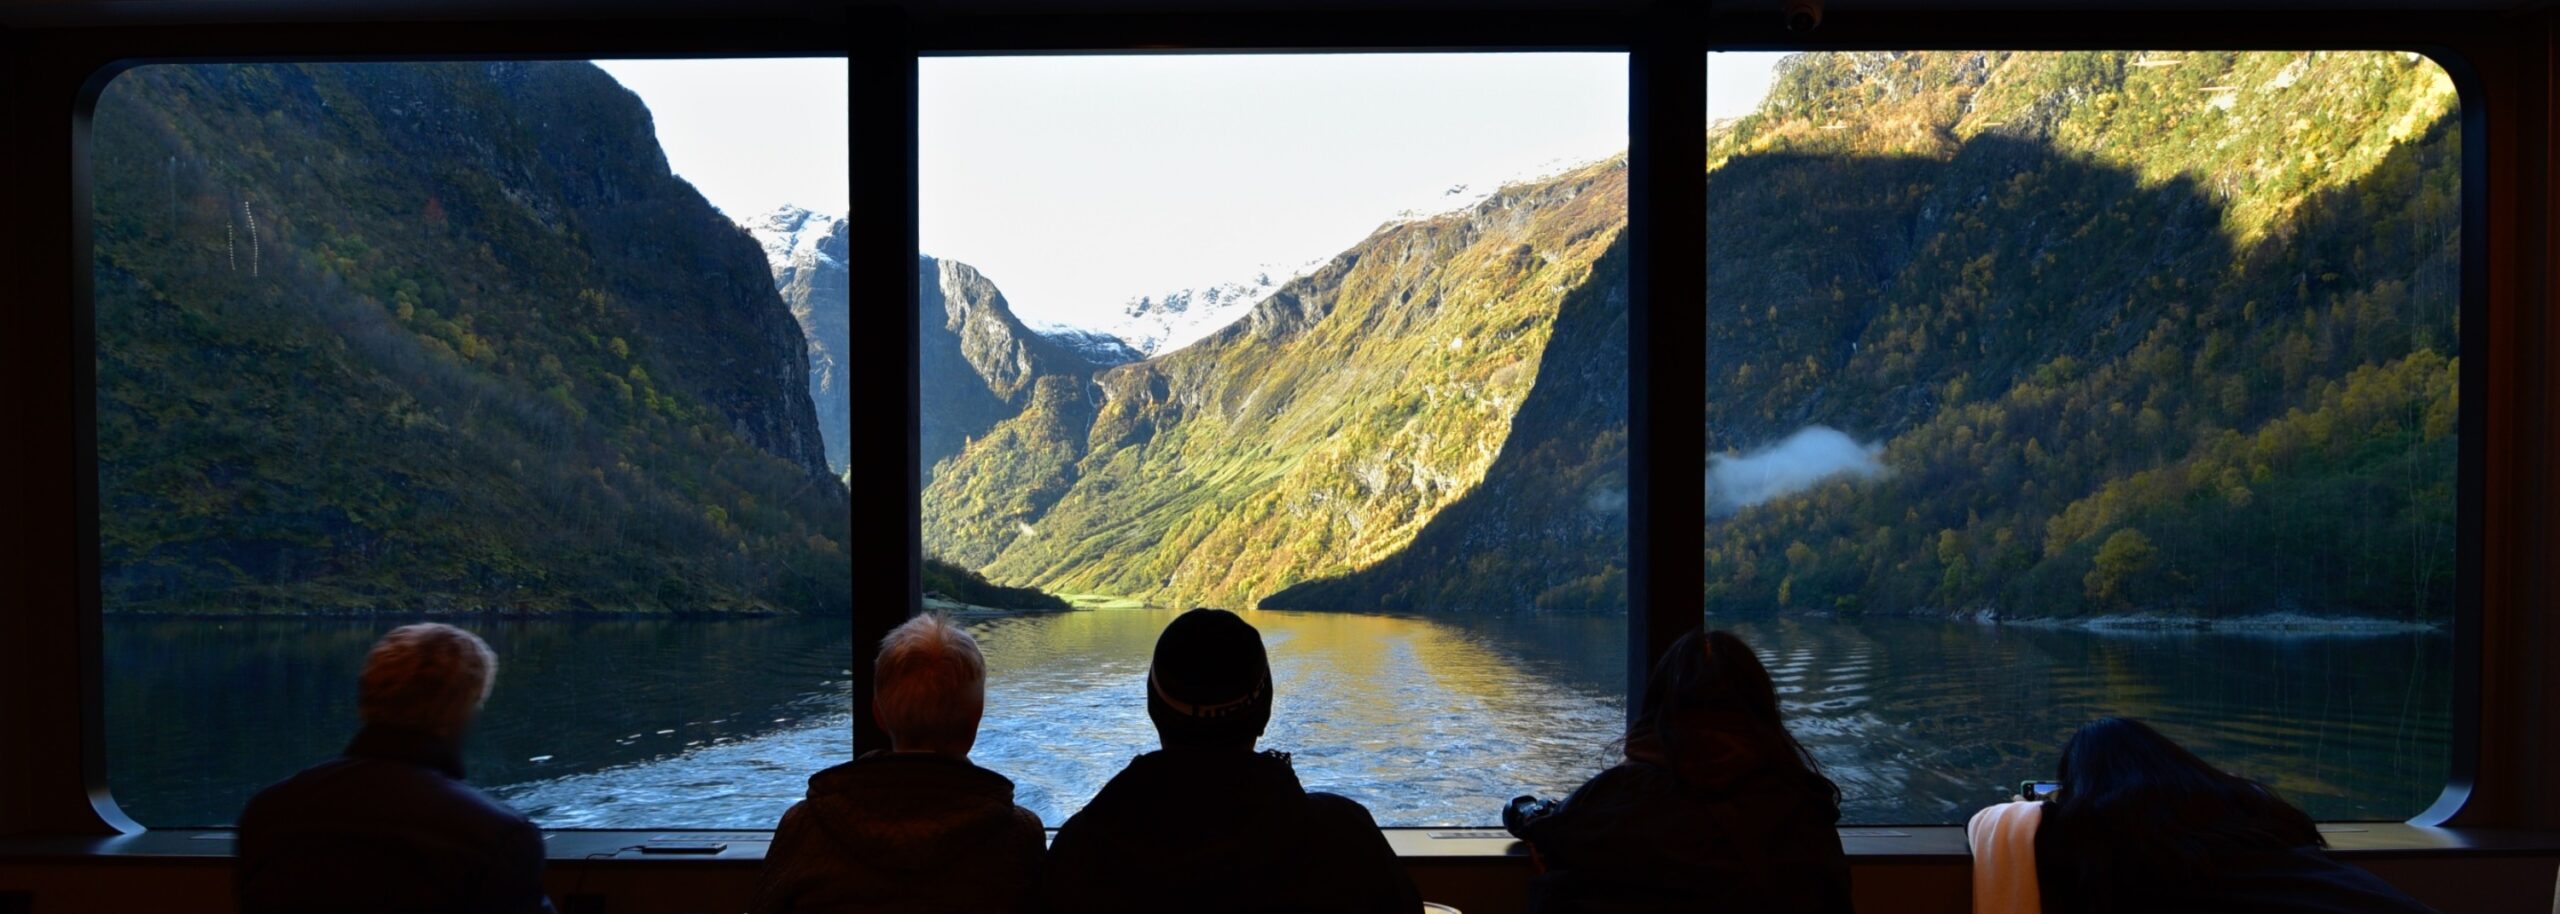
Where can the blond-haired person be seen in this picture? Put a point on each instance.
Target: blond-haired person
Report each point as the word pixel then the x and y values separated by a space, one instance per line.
pixel 388 825
pixel 916 826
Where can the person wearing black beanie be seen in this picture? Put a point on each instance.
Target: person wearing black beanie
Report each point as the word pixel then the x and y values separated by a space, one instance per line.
pixel 1210 682
pixel 1207 823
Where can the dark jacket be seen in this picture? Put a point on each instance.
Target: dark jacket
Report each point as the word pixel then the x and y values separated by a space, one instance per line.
pixel 902 832
pixel 387 827
pixel 1640 838
pixel 1222 830
pixel 2300 880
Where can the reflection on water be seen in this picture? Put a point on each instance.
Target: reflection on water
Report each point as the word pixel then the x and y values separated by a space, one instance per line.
pixel 710 723
pixel 1425 722
pixel 1924 722
pixel 200 714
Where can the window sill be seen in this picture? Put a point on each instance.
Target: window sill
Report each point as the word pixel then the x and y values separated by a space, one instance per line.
pixel 1932 844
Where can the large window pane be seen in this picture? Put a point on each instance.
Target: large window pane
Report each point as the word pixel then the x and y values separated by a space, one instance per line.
pixel 2046 386
pixel 1337 342
pixel 489 343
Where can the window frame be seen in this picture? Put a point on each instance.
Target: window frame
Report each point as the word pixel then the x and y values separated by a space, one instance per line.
pixel 2497 644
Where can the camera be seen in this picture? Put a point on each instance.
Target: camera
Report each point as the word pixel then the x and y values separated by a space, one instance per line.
pixel 1803 15
pixel 1523 810
pixel 2032 789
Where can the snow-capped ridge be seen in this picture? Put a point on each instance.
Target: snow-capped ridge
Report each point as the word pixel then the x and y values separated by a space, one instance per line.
pixel 1158 324
pixel 790 235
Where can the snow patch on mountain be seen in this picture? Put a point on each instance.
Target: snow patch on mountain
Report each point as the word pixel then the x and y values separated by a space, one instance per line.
pixel 790 236
pixel 1158 324
pixel 1092 345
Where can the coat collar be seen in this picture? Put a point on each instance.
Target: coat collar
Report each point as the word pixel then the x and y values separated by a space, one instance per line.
pixel 401 744
pixel 907 771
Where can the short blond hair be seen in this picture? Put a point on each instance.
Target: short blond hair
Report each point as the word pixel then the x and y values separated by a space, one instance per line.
pixel 930 683
pixel 428 677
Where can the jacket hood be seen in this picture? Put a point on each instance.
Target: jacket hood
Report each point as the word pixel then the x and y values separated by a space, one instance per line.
pixel 903 811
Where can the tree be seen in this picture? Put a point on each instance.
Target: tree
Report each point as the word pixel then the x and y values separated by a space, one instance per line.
pixel 2120 559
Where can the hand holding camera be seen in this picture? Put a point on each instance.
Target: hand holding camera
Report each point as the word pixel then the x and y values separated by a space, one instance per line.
pixel 1523 810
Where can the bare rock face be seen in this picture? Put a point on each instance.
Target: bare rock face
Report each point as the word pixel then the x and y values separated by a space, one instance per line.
pixel 806 252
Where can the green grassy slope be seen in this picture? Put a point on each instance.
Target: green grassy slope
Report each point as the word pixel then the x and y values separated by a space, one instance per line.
pixel 1314 437
pixel 437 337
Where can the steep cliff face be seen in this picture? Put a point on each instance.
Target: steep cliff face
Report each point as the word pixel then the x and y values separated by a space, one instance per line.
pixel 806 252
pixel 979 365
pixel 1315 435
pixel 438 337
pixel 580 153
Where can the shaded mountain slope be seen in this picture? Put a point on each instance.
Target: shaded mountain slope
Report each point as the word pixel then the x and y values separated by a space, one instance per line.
pixel 2136 335
pixel 438 337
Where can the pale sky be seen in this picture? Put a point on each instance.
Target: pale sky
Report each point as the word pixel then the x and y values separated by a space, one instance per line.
pixel 750 134
pixel 1738 80
pixel 1079 182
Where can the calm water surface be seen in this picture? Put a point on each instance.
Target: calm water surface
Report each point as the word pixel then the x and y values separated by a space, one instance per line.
pixel 698 723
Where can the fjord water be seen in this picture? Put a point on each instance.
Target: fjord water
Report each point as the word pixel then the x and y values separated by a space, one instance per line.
pixel 695 723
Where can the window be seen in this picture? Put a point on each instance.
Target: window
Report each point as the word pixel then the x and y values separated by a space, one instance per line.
pixel 2046 386
pixel 2042 386
pixel 1335 341
pixel 471 341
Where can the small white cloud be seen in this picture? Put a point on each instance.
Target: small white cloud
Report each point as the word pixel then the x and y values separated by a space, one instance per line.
pixel 1811 455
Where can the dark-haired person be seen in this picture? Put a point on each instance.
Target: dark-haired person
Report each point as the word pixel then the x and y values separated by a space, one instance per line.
pixel 915 827
pixel 1209 824
pixel 1716 807
pixel 2142 825
pixel 388 826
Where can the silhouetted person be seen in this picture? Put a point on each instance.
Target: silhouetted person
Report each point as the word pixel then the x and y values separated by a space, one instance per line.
pixel 1716 808
pixel 388 826
pixel 914 827
pixel 1209 824
pixel 2142 825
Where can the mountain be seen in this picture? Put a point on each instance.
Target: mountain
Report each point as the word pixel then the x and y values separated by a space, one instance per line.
pixel 807 254
pixel 411 338
pixel 2136 332
pixel 1093 346
pixel 1313 436
pixel 1153 325
pixel 2022 335
pixel 980 367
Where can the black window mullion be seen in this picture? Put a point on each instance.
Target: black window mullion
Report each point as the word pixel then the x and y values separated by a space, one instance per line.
pixel 887 546
pixel 1666 327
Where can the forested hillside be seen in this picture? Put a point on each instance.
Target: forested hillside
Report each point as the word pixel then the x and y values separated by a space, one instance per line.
pixel 2138 332
pixel 438 337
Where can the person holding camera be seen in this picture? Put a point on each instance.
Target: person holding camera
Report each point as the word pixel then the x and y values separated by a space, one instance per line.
pixel 1716 807
pixel 2135 823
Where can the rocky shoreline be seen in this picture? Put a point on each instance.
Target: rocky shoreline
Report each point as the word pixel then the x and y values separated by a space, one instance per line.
pixel 2273 623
